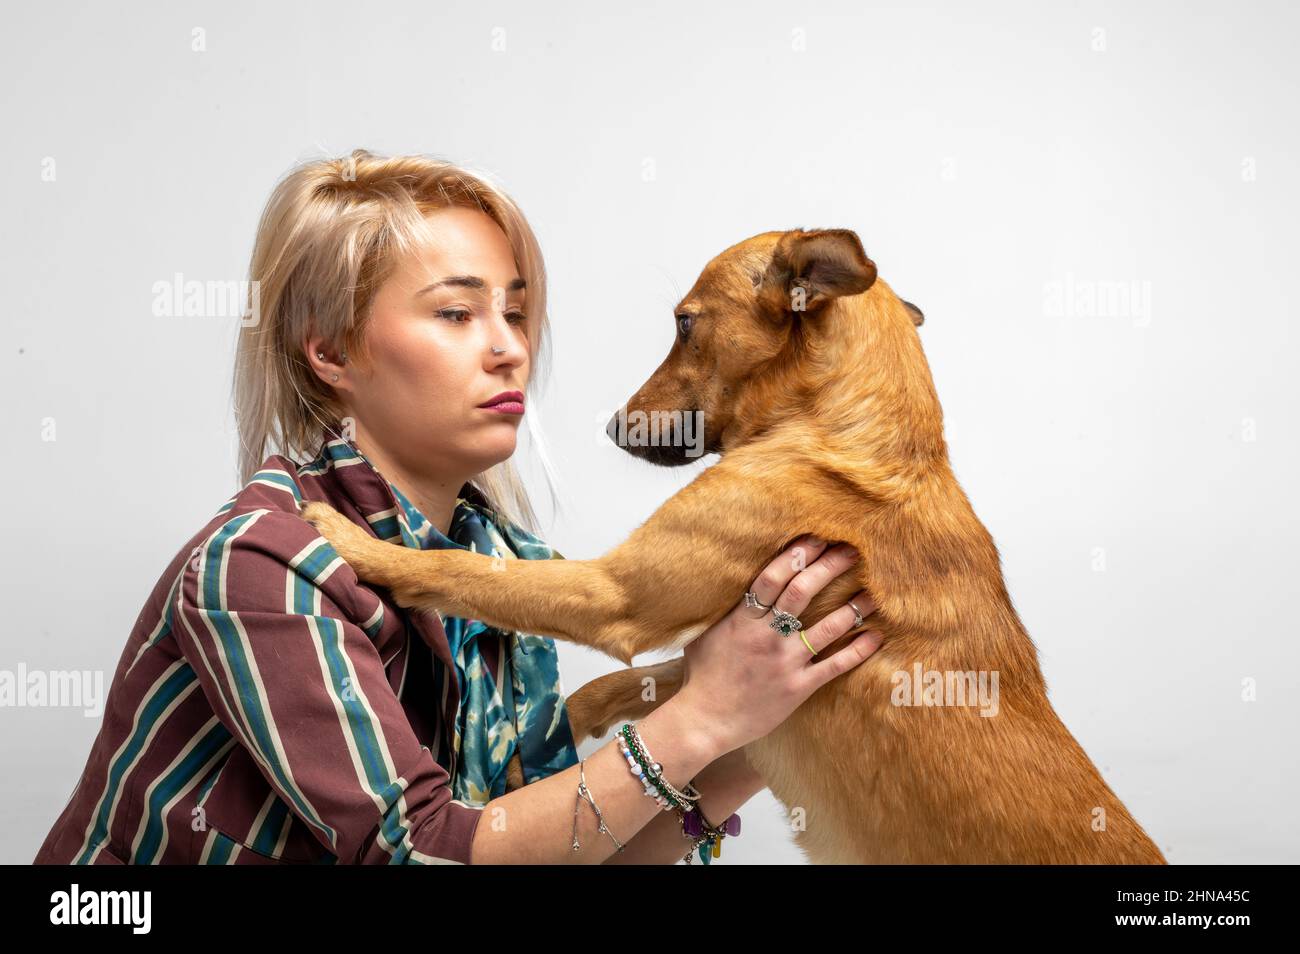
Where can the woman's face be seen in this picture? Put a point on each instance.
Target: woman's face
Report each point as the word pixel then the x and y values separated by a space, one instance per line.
pixel 431 332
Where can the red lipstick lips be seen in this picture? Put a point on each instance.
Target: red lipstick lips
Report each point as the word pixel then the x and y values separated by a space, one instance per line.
pixel 507 402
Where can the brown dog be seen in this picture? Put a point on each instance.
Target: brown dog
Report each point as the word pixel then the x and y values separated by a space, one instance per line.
pixel 814 389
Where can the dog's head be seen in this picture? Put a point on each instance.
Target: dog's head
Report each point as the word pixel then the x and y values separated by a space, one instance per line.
pixel 759 302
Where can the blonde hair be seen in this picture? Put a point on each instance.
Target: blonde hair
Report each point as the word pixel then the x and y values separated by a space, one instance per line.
pixel 328 238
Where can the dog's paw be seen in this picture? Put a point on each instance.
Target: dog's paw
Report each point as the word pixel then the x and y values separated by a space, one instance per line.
pixel 350 542
pixel 323 517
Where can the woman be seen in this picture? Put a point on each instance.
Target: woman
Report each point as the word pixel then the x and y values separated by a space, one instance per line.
pixel 269 707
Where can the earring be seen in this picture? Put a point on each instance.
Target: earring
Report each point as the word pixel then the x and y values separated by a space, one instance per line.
pixel 334 377
pixel 321 355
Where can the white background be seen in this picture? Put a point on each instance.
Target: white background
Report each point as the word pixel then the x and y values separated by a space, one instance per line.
pixel 983 152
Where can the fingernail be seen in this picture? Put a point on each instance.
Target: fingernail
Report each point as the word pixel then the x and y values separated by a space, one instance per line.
pixel 852 553
pixel 814 541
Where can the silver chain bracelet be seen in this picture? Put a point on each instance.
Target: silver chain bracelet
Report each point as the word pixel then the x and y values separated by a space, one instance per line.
pixel 584 792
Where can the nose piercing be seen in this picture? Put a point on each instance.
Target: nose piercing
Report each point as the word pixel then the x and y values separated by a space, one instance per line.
pixel 496 350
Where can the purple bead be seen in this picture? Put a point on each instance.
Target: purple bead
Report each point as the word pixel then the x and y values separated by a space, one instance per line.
pixel 692 825
pixel 732 825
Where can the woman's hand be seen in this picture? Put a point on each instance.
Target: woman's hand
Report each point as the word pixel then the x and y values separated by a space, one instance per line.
pixel 741 678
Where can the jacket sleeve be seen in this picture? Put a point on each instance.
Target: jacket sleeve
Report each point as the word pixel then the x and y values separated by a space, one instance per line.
pixel 260 617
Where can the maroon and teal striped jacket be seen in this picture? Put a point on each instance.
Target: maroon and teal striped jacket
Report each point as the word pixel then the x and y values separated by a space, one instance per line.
pixel 268 708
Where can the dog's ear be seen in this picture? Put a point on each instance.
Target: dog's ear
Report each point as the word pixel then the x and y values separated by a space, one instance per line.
pixel 918 316
pixel 810 268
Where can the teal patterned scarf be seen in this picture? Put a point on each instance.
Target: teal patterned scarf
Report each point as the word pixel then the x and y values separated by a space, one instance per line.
pixel 520 707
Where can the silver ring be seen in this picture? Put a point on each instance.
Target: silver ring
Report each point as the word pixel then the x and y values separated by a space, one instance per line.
pixel 752 602
pixel 857 616
pixel 785 623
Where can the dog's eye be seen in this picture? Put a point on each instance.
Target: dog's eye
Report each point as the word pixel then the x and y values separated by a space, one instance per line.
pixel 683 325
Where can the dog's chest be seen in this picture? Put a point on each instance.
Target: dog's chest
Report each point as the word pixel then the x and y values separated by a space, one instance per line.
pixel 821 765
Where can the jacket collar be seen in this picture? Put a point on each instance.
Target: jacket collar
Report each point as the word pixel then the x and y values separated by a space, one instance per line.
pixel 388 511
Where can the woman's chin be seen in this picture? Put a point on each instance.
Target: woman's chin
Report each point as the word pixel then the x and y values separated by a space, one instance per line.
pixel 496 443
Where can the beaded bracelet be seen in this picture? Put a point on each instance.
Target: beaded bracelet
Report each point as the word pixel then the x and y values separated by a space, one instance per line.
pixel 650 772
pixel 706 837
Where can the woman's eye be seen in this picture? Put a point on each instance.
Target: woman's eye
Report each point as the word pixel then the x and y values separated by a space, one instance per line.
pixel 457 316
pixel 684 325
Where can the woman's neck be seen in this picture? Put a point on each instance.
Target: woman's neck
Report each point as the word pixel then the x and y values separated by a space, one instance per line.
pixel 434 495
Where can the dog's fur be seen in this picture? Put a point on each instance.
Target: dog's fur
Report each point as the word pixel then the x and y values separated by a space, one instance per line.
pixel 815 391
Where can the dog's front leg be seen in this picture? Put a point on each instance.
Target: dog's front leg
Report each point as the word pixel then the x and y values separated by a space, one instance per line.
pixel 624 694
pixel 677 574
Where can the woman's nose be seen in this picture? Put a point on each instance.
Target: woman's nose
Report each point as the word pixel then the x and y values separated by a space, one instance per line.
pixel 504 343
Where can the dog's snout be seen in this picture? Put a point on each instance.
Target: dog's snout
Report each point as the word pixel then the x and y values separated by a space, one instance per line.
pixel 612 428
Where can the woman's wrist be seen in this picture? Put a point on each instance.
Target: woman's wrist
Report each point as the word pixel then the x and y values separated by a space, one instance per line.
pixel 724 785
pixel 697 744
pixel 735 772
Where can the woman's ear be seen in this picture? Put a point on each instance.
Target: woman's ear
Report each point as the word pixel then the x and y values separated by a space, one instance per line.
pixel 324 363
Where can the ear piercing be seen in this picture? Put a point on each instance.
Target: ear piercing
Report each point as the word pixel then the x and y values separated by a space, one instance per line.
pixel 342 360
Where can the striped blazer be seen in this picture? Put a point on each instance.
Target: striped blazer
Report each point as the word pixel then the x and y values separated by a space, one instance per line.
pixel 268 708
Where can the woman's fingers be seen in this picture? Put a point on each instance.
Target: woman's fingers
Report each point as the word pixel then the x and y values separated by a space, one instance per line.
pixel 820 673
pixel 835 624
pixel 794 599
pixel 772 581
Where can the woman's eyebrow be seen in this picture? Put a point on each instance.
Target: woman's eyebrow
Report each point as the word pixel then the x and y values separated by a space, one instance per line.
pixel 470 281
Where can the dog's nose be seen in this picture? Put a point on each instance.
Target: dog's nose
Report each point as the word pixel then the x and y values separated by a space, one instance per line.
pixel 612 428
